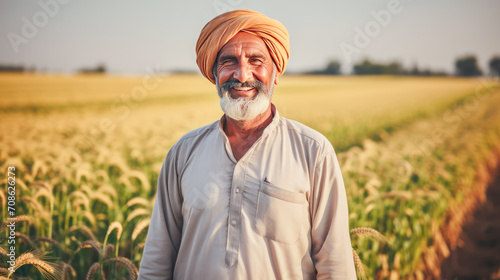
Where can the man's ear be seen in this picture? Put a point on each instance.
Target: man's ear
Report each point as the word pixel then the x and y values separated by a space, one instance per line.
pixel 276 77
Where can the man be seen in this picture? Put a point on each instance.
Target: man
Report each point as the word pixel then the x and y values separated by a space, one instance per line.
pixel 253 195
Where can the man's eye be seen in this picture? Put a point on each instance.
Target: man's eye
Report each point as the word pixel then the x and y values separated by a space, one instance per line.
pixel 226 62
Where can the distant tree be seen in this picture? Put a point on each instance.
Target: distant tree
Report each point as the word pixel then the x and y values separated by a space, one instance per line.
pixel 332 68
pixel 467 66
pixel 394 68
pixel 366 67
pixel 179 71
pixel 31 69
pixel 495 65
pixel 414 71
pixel 100 68
pixel 11 68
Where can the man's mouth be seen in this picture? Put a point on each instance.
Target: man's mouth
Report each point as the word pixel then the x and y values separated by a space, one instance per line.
pixel 242 88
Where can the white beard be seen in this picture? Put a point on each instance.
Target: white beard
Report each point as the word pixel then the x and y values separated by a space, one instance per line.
pixel 245 108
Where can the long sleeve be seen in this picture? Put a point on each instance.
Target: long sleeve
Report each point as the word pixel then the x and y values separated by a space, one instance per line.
pixel 164 234
pixel 331 250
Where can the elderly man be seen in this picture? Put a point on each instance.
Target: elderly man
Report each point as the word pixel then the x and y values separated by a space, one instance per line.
pixel 253 195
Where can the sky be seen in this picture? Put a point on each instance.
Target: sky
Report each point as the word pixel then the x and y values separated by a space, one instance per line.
pixel 130 36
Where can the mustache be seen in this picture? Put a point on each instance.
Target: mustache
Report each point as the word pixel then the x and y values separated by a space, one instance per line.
pixel 258 85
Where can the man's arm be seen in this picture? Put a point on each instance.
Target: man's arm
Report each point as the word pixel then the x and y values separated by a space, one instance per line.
pixel 165 229
pixel 331 250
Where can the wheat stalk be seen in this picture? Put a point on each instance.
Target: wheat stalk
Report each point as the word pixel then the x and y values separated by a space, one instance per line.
pixel 104 199
pixel 138 200
pixel 139 228
pixel 369 232
pixel 37 167
pixel 369 208
pixel 20 183
pixel 358 264
pixel 42 185
pixel 125 180
pixel 4 271
pixel 127 264
pixel 90 217
pixel 92 270
pixel 67 270
pixel 107 189
pixel 372 185
pixel 48 240
pixel 54 243
pixel 39 209
pixel 15 161
pixel 139 247
pixel 45 193
pixel 85 230
pixel 24 238
pixel 139 175
pixel 3 199
pixel 118 162
pixel 87 190
pixel 80 198
pixel 84 170
pixel 108 252
pixel 47 269
pixel 119 229
pixel 136 213
pixel 103 174
pixel 90 244
pixel 21 218
pixel 399 194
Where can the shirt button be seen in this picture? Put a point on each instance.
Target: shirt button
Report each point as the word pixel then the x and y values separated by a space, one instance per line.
pixel 233 222
pixel 237 190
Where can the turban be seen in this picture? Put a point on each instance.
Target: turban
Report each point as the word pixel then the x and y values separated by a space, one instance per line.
pixel 222 28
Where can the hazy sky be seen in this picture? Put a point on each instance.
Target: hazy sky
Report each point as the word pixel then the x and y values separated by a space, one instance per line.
pixel 128 36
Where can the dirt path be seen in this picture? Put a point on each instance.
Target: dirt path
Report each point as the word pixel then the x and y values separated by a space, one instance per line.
pixel 477 255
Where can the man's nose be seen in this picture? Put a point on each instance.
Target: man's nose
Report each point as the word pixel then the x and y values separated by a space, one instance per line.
pixel 242 72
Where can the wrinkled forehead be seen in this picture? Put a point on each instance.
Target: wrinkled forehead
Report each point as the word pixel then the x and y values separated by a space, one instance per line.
pixel 244 43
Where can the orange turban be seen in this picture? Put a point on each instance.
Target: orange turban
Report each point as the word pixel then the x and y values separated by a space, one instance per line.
pixel 222 28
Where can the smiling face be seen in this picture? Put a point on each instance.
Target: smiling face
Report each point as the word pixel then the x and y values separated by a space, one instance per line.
pixel 245 76
pixel 245 59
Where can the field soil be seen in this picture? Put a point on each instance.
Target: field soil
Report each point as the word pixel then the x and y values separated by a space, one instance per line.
pixel 477 255
pixel 467 245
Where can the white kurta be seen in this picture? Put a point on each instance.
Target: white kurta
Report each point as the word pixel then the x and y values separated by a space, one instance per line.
pixel 280 212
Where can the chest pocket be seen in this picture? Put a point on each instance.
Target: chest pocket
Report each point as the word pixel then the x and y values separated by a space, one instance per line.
pixel 279 214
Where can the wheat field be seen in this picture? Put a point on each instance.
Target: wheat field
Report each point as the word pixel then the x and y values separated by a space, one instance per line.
pixel 87 150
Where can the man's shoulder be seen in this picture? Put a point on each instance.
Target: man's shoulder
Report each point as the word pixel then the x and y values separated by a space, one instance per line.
pixel 307 134
pixel 200 131
pixel 195 135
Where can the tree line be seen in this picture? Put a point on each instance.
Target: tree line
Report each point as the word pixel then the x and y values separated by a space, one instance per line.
pixel 466 66
pixel 12 68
